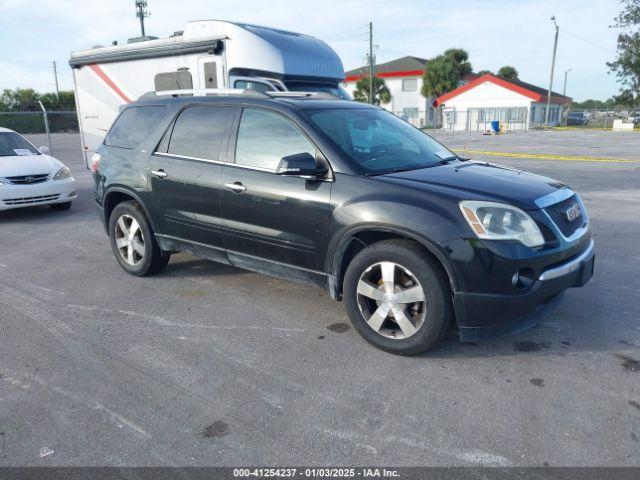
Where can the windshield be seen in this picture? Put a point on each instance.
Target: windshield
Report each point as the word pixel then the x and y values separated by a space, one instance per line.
pixel 12 144
pixel 378 141
pixel 335 90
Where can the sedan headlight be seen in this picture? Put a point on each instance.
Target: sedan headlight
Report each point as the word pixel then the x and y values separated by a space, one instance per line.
pixel 63 173
pixel 498 221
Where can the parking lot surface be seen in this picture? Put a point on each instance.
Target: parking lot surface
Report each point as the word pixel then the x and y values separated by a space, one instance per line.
pixel 207 364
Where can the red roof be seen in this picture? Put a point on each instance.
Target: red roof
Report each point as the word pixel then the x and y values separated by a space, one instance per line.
pixel 404 73
pixel 530 91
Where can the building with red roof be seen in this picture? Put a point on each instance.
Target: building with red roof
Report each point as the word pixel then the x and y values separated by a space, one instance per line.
pixel 403 77
pixel 517 105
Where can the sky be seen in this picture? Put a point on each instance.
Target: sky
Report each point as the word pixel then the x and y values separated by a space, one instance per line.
pixel 34 33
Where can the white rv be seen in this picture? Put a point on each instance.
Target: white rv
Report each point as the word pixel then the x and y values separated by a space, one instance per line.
pixel 209 54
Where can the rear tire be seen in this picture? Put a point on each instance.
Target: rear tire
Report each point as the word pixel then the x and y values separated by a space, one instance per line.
pixel 61 206
pixel 398 297
pixel 133 242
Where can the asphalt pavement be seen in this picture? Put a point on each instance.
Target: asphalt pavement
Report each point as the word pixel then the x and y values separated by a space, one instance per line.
pixel 207 364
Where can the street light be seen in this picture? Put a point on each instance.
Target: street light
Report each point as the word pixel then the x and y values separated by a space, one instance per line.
pixel 564 89
pixel 553 66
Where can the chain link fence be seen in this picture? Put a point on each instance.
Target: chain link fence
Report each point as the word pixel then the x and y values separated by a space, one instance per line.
pixel 41 121
pixel 516 119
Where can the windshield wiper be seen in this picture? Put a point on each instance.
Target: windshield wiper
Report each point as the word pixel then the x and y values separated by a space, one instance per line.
pixel 396 170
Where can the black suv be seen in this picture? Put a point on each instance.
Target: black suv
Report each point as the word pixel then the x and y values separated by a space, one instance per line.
pixel 345 196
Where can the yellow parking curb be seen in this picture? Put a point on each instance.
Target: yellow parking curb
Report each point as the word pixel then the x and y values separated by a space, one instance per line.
pixel 544 156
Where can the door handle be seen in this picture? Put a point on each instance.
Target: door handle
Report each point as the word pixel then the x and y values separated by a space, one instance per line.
pixel 236 187
pixel 159 173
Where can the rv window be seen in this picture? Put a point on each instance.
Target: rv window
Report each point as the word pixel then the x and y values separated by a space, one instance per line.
pixel 265 137
pixel 178 80
pixel 133 126
pixel 250 85
pixel 201 132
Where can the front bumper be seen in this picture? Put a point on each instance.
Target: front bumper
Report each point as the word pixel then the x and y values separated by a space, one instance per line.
pixel 46 193
pixel 483 315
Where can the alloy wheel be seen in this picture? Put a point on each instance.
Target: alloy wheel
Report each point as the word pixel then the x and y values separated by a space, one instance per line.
pixel 391 300
pixel 129 240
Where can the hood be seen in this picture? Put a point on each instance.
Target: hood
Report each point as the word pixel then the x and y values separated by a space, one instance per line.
pixel 16 165
pixel 492 182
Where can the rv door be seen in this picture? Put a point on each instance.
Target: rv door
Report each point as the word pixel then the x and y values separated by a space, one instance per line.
pixel 211 72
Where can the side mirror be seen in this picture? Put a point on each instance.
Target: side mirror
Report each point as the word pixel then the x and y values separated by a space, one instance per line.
pixel 300 165
pixel 44 150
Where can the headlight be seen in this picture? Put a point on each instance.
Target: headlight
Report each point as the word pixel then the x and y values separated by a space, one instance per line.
pixel 498 221
pixel 63 173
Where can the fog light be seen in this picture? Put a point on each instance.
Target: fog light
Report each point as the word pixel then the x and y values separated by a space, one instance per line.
pixel 72 194
pixel 523 278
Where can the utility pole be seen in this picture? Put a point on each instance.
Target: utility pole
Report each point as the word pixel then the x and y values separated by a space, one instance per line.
pixel 55 75
pixel 553 66
pixel 371 63
pixel 141 13
pixel 564 89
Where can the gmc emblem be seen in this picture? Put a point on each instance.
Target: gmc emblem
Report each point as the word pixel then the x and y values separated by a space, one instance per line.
pixel 572 212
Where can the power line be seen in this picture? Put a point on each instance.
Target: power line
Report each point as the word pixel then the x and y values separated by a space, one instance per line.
pixel 587 41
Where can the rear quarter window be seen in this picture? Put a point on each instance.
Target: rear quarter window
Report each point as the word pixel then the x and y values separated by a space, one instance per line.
pixel 133 126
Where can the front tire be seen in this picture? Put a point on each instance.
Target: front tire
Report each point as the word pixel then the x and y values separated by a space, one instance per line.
pixel 397 297
pixel 133 242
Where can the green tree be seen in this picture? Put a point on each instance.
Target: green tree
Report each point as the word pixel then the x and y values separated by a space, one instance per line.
pixel 508 73
pixel 19 99
pixel 381 93
pixel 626 66
pixel 64 101
pixel 484 72
pixel 444 72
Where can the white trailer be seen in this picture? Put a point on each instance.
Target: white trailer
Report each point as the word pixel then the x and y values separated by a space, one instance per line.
pixel 209 54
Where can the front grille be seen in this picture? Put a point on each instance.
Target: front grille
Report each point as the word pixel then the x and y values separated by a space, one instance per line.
pixel 28 179
pixel 30 200
pixel 558 215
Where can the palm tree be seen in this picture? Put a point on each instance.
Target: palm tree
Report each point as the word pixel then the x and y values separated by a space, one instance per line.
pixel 444 72
pixel 381 93
pixel 508 73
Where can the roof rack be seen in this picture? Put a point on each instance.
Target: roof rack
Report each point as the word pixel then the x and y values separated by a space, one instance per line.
pixel 301 94
pixel 201 92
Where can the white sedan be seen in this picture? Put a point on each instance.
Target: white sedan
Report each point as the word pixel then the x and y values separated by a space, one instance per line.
pixel 29 176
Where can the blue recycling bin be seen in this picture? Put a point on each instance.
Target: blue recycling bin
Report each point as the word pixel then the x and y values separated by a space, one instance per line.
pixel 495 126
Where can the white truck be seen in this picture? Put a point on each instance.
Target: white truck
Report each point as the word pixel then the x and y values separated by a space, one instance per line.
pixel 207 55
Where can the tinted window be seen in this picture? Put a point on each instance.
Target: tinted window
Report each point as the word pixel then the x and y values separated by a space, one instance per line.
pixel 249 85
pixel 12 144
pixel 378 141
pixel 265 137
pixel 201 132
pixel 133 125
pixel 335 90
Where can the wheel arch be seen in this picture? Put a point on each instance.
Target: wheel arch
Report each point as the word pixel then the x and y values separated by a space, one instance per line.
pixel 355 240
pixel 118 194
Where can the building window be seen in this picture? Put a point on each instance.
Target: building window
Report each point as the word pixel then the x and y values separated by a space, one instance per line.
pixel 411 112
pixel 409 84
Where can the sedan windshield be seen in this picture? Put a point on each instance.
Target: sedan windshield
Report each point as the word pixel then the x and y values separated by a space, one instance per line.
pixel 12 144
pixel 379 142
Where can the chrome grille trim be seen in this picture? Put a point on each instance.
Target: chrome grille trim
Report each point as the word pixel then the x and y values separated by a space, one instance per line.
pixel 556 197
pixel 30 200
pixel 28 179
